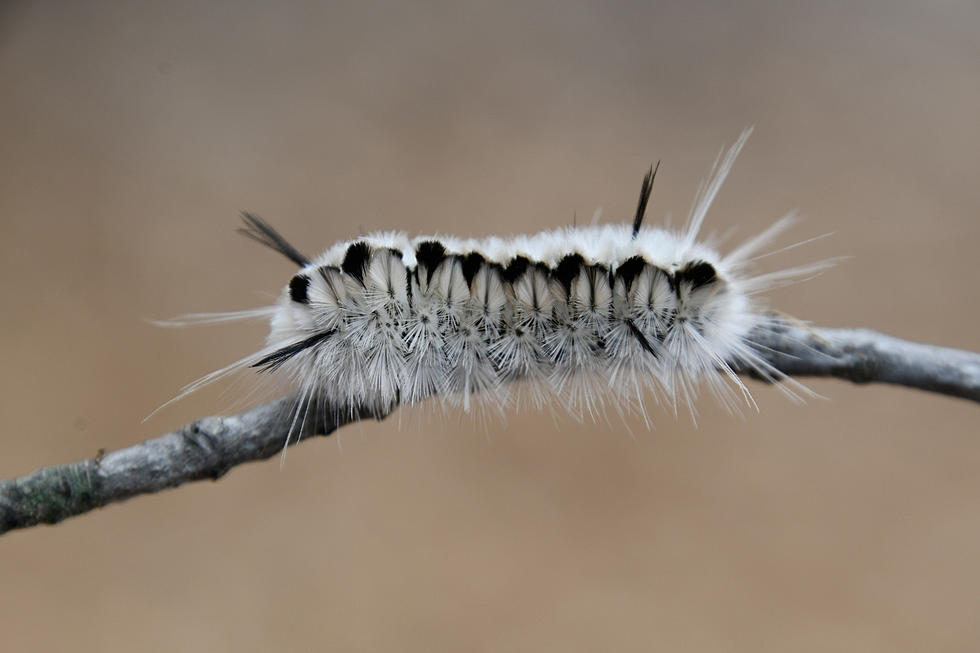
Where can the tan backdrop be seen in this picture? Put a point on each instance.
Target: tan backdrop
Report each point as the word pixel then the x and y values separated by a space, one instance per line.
pixel 133 133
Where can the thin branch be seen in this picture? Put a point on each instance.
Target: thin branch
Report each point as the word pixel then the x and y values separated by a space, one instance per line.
pixel 866 356
pixel 202 450
pixel 209 447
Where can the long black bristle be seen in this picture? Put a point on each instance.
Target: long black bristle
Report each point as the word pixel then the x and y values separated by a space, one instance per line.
pixel 635 330
pixel 261 232
pixel 645 190
pixel 276 359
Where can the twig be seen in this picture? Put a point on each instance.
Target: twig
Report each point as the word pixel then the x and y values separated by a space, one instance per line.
pixel 866 356
pixel 209 447
pixel 204 449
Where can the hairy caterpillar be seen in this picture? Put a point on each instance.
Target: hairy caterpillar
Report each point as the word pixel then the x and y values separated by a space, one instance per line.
pixel 586 314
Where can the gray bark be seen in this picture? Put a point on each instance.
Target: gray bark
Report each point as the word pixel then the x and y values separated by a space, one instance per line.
pixel 210 447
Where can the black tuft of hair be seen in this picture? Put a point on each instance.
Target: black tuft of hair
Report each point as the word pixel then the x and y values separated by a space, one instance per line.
pixel 261 232
pixel 645 190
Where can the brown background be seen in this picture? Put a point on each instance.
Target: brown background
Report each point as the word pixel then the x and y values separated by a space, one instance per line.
pixel 131 137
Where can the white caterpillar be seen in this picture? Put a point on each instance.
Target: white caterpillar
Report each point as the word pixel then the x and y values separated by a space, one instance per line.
pixel 585 314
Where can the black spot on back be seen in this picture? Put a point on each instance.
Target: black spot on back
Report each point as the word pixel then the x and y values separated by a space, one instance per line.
pixel 430 254
pixel 517 267
pixel 569 268
pixel 298 287
pixel 629 269
pixel 697 273
pixel 472 263
pixel 355 259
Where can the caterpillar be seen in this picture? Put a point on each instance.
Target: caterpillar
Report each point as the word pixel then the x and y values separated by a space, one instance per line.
pixel 615 313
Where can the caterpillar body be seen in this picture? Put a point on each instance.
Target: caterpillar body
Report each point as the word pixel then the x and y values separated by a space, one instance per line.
pixel 618 313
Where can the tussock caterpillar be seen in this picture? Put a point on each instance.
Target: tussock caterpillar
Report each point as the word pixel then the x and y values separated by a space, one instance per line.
pixel 617 313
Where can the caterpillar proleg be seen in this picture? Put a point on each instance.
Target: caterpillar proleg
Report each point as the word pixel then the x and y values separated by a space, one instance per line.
pixel 617 313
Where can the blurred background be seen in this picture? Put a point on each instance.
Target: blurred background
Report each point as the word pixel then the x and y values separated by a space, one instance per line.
pixel 132 135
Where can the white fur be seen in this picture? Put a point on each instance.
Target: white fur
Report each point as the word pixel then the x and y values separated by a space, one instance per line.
pixel 404 332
